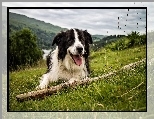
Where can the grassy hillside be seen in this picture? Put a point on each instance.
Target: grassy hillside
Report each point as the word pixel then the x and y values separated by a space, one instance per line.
pixel 100 36
pixel 23 20
pixel 125 91
pixel 45 32
pixel 98 42
pixel 97 38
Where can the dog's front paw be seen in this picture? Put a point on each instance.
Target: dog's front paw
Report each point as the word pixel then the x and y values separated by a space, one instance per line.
pixel 72 80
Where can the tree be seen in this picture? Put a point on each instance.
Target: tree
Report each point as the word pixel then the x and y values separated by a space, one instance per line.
pixel 133 36
pixel 23 49
pixel 136 38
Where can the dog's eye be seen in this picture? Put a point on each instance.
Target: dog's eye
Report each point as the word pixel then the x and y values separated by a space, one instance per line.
pixel 82 41
pixel 70 41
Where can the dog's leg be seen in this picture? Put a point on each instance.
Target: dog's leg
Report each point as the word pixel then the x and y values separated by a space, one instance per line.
pixel 47 78
pixel 44 81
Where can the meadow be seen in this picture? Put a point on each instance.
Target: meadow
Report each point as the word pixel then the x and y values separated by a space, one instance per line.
pixel 125 91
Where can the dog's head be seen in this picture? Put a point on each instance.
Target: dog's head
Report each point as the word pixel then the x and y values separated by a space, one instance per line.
pixel 73 42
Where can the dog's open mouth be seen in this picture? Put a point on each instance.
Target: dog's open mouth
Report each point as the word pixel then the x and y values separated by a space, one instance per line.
pixel 77 59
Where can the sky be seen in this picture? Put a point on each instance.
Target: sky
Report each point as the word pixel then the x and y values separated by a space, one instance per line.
pixel 95 21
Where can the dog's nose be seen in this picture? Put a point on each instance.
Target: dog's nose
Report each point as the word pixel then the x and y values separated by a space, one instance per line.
pixel 79 49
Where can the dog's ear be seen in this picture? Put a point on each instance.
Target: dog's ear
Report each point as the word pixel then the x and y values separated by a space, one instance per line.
pixel 88 37
pixel 57 39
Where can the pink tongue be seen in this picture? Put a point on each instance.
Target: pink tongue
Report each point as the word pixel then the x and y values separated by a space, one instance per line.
pixel 77 59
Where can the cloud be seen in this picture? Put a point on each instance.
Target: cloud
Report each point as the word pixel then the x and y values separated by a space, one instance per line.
pixel 96 21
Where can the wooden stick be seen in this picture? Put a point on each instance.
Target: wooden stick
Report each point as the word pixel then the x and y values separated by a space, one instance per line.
pixel 49 91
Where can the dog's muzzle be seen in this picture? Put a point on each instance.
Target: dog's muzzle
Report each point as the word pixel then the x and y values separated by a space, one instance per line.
pixel 79 49
pixel 77 58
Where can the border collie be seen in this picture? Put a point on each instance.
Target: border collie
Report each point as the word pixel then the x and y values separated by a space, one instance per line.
pixel 69 61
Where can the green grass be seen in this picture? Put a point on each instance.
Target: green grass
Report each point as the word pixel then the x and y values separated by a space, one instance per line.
pixel 104 60
pixel 118 92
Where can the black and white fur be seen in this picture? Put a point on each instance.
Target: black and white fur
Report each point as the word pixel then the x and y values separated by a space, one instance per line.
pixel 69 61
